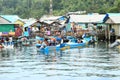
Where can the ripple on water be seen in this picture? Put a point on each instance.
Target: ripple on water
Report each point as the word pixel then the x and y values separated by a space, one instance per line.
pixel 99 63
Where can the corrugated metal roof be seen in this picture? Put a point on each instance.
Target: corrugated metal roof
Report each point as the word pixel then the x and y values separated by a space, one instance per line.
pixel 113 20
pixel 29 23
pixel 51 18
pixel 11 18
pixel 48 22
pixel 87 18
pixel 3 21
pixel 113 14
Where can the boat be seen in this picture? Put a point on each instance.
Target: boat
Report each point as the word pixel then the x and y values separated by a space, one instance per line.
pixel 1 46
pixel 115 44
pixel 63 46
pixel 70 45
pixel 73 44
pixel 25 43
pixel 7 46
pixel 51 48
pixel 44 50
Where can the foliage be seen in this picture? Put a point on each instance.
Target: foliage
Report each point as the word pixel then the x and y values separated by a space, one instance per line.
pixel 38 8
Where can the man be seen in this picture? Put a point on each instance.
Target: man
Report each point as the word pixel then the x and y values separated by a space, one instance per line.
pixel 44 43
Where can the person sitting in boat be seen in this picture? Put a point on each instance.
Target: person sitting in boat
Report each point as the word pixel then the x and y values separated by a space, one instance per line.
pixel 92 41
pixel 39 42
pixel 44 43
pixel 2 40
pixel 11 40
pixel 65 40
pixel 79 41
pixel 24 39
pixel 58 39
pixel 7 41
pixel 116 43
pixel 1 46
pixel 52 41
pixel 84 35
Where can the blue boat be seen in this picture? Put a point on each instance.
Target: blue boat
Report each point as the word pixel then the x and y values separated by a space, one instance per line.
pixel 45 50
pixel 73 44
pixel 70 45
pixel 64 46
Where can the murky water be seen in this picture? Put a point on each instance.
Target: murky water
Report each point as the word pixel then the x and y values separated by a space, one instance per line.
pixel 99 63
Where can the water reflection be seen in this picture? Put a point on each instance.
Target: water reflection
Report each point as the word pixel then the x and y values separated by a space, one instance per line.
pixel 90 63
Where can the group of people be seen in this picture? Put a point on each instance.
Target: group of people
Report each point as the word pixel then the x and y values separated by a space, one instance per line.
pixel 54 41
pixel 6 41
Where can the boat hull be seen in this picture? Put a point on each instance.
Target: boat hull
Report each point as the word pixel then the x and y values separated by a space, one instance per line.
pixel 70 46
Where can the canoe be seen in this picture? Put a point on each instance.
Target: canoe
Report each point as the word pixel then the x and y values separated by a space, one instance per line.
pixel 63 46
pixel 26 43
pixel 1 46
pixel 71 45
pixel 115 44
pixel 45 50
pixel 51 48
pixel 8 46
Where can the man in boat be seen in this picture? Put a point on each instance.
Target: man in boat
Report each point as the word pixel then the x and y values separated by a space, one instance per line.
pixel 24 38
pixel 2 40
pixel 63 41
pixel 116 43
pixel 7 41
pixel 79 41
pixel 44 43
pixel 52 41
pixel 11 40
pixel 1 46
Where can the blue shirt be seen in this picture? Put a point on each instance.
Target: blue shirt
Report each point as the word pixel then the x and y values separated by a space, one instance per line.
pixel 26 33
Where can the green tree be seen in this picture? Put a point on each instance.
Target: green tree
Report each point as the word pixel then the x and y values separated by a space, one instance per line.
pixel 33 8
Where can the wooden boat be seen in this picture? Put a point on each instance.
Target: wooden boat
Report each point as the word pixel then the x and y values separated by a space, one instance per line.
pixel 25 43
pixel 71 45
pixel 1 46
pixel 115 44
pixel 63 46
pixel 8 46
pixel 51 48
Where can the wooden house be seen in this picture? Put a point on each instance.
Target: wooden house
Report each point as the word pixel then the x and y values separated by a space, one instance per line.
pixel 83 22
pixel 8 24
pixel 113 22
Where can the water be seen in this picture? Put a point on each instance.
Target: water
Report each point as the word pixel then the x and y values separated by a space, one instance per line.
pixel 99 63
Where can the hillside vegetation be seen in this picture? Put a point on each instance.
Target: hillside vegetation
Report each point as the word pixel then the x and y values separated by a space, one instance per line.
pixel 37 8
